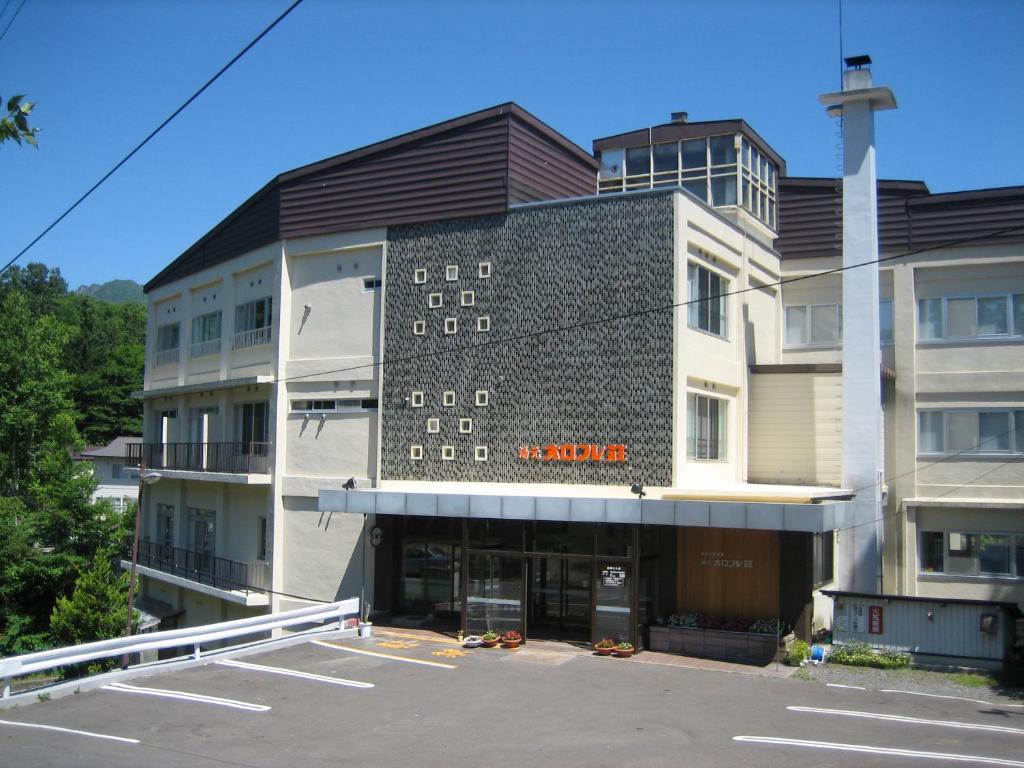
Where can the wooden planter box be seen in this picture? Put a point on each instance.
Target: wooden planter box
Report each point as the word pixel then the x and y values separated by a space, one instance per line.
pixel 717 643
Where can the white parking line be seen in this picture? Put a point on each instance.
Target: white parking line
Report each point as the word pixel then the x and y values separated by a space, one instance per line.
pixel 183 696
pixel 295 673
pixel 871 750
pixel 840 685
pixel 909 720
pixel 379 655
pixel 957 698
pixel 70 730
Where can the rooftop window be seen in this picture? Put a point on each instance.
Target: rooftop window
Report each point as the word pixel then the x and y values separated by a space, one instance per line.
pixel 723 170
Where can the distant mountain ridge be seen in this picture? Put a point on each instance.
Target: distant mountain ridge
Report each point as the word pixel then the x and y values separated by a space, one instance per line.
pixel 115 291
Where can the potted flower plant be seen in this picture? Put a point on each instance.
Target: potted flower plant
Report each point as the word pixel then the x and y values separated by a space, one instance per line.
pixel 511 639
pixel 624 650
pixel 489 639
pixel 604 646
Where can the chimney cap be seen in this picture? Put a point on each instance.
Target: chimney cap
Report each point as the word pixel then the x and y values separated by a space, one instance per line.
pixel 857 61
pixel 680 117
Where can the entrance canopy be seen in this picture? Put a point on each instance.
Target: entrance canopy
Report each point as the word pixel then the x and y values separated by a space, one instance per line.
pixel 748 506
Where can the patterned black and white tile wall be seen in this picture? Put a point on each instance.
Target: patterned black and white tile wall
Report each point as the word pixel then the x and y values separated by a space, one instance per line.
pixel 605 383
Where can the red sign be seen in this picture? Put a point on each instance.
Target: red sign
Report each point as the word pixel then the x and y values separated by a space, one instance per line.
pixel 875 620
pixel 573 452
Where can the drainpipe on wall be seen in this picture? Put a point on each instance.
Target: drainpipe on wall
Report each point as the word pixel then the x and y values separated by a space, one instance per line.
pixel 860 545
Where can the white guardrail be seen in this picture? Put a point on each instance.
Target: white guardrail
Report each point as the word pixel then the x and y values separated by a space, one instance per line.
pixel 26 664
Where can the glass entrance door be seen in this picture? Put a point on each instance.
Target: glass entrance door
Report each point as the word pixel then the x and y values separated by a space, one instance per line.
pixel 613 589
pixel 559 598
pixel 494 593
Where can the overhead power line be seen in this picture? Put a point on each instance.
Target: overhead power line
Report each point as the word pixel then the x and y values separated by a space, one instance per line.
pixel 152 134
pixel 9 23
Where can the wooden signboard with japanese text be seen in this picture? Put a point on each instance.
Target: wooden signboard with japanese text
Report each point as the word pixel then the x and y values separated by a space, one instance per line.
pixel 728 573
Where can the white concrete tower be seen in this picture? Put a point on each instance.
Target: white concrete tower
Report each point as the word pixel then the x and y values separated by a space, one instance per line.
pixel 860 547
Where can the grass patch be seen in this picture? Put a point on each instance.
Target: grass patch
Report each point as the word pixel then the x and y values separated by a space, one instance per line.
pixel 802 673
pixel 973 679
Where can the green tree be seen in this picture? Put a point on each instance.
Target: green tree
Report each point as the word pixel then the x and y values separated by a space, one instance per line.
pixel 105 358
pixel 15 127
pixel 96 610
pixel 44 287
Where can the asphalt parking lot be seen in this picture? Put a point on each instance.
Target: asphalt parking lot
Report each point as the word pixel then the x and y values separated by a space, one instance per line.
pixel 401 700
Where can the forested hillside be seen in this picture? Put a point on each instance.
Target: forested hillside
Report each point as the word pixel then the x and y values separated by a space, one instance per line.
pixel 68 364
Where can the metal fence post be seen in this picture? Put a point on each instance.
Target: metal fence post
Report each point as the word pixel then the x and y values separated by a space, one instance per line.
pixel 196 652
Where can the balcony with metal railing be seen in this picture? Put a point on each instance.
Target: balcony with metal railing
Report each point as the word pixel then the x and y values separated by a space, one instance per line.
pixel 167 357
pixel 228 459
pixel 254 337
pixel 244 583
pixel 206 348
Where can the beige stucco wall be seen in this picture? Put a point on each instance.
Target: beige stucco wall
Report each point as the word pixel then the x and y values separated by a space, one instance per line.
pixel 712 365
pixel 967 519
pixel 323 556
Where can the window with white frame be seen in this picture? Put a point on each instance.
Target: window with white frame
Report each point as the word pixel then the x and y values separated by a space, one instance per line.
pixel 707 427
pixel 206 334
pixel 416 399
pixel 313 406
pixel 484 269
pixel 811 325
pixel 468 298
pixel 343 404
pixel 448 398
pixel 416 452
pixel 969 553
pixel 480 453
pixel 962 430
pixel 481 398
pixel 970 317
pixel 706 307
pixel 419 327
pixel 821 325
pixel 371 284
pixel 451 273
pixel 435 300
pixel 433 425
pixel 709 167
pixel 168 339
pixel 465 426
pixel 447 453
pixel 483 324
pixel 253 321
pixel 451 325
pixel 419 276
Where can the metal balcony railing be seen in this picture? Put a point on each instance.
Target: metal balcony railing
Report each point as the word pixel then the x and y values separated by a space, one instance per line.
pixel 205 348
pixel 205 568
pixel 167 356
pixel 251 338
pixel 237 458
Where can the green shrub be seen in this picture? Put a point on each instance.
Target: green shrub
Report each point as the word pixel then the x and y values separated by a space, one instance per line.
pixel 798 653
pixel 863 655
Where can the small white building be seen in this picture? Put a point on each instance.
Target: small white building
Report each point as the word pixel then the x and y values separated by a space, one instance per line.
pixel 118 480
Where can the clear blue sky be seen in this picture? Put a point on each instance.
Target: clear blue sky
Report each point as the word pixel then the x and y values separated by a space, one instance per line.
pixel 338 75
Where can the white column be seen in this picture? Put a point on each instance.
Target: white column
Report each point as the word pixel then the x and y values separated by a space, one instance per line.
pixel 860 545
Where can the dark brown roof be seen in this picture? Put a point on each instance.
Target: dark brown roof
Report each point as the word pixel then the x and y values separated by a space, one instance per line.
pixel 909 216
pixel 677 131
pixel 476 164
